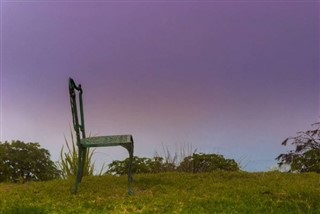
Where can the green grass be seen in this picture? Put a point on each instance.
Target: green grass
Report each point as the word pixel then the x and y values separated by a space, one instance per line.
pixel 219 192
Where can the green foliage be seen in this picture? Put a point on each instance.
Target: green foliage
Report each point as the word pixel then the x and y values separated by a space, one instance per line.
pixel 21 161
pixel 194 163
pixel 68 161
pixel 207 163
pixel 216 192
pixel 306 155
pixel 140 165
pixel 4 168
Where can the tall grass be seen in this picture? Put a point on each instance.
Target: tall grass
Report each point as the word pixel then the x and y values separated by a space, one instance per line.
pixel 174 158
pixel 243 162
pixel 68 162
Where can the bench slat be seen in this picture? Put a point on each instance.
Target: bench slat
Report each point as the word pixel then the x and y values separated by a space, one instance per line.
pixel 103 141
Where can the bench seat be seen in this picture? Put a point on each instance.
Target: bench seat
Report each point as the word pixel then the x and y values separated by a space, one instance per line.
pixel 105 141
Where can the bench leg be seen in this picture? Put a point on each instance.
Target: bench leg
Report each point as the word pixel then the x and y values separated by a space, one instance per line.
pixel 83 160
pixel 130 178
pixel 81 153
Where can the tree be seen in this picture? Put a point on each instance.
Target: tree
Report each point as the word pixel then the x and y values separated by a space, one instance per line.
pixel 306 155
pixel 21 161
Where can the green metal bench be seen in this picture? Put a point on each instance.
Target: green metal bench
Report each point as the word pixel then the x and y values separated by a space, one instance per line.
pixel 84 142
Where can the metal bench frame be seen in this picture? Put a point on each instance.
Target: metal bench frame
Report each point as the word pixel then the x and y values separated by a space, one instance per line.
pixel 84 142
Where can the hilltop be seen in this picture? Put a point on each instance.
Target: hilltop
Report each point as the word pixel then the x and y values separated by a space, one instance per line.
pixel 218 192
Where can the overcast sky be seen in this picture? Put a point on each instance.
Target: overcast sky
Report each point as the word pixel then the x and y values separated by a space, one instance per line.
pixel 228 77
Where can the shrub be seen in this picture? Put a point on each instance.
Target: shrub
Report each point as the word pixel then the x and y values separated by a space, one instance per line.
pixel 140 165
pixel 21 161
pixel 194 163
pixel 207 163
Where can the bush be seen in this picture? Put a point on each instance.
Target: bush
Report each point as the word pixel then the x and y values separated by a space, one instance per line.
pixel 207 163
pixel 21 161
pixel 140 165
pixel 194 163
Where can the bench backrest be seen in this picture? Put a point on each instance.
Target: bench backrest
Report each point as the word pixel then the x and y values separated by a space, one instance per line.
pixel 75 90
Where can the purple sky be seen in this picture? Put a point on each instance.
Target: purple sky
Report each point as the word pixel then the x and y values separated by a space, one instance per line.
pixel 234 77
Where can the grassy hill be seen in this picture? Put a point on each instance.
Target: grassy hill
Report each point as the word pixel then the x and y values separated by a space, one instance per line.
pixel 219 192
